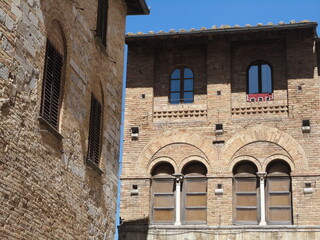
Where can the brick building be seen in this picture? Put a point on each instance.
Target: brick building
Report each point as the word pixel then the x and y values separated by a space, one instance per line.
pixel 61 64
pixel 222 134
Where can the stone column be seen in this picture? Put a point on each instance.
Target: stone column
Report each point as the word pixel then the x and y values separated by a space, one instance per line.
pixel 179 179
pixel 262 176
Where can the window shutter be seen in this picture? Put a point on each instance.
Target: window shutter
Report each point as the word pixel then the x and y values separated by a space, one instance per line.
pixel 245 200
pixel 94 131
pixel 279 200
pixel 102 18
pixel 51 86
pixel 163 201
pixel 195 200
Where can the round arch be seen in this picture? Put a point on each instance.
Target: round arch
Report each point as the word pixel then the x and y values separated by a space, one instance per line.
pixel 176 136
pixel 195 158
pixel 243 158
pixel 278 157
pixel 157 161
pixel 269 134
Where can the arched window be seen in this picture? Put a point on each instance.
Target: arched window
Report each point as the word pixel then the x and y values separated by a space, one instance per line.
pixel 245 193
pixel 181 86
pixel 163 194
pixel 194 193
pixel 53 75
pixel 279 207
pixel 259 77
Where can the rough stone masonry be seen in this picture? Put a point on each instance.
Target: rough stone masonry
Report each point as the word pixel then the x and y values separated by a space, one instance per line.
pixel 47 189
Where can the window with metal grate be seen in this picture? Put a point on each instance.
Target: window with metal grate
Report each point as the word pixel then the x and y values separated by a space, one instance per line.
pixel 94 142
pixel 51 86
pixel 102 17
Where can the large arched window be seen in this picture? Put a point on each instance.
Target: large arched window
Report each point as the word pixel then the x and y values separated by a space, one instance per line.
pixel 181 86
pixel 194 193
pixel 259 77
pixel 163 194
pixel 245 193
pixel 279 208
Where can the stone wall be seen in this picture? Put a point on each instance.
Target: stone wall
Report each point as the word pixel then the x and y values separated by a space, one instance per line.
pixel 257 131
pixel 47 190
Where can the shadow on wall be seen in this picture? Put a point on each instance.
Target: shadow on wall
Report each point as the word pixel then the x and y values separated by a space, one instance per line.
pixel 134 230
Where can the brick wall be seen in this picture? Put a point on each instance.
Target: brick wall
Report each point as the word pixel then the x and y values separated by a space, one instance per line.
pixel 260 132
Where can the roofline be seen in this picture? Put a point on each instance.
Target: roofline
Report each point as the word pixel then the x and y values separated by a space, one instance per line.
pixel 221 30
pixel 144 9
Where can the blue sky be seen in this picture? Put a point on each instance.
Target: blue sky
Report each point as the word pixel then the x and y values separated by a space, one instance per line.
pixel 177 14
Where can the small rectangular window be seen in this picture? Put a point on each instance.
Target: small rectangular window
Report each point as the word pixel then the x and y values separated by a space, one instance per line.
pixel 94 131
pixel 102 17
pixel 51 85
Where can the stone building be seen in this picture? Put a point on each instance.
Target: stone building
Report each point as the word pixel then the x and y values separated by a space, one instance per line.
pixel 222 136
pixel 61 65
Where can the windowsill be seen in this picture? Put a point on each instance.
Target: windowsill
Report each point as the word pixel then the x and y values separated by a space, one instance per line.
pixel 259 97
pixel 94 166
pixel 50 128
pixel 198 226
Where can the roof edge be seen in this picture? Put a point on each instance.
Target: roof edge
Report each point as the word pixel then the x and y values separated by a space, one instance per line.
pixel 137 7
pixel 203 31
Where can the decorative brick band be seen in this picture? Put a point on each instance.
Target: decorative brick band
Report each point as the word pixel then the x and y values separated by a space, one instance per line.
pixel 259 110
pixel 179 114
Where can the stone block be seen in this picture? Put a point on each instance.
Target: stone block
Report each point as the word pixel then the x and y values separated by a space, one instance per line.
pixel 9 23
pixel 4 72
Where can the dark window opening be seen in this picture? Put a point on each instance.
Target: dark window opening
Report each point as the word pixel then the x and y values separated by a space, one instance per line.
pixel 305 123
pixel 102 17
pixel 181 86
pixel 259 78
pixel 94 142
pixel 51 90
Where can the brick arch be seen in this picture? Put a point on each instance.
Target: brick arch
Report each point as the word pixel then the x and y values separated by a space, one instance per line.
pixel 268 134
pixel 242 158
pixel 196 159
pixel 176 136
pixel 56 15
pixel 280 157
pixel 159 160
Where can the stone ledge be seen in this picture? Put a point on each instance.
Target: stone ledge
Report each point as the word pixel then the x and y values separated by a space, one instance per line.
pixel 49 128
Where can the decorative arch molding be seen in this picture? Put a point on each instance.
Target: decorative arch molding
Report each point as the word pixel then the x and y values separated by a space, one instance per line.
pixel 252 159
pixel 176 136
pixel 158 160
pixel 268 134
pixel 56 15
pixel 280 157
pixel 194 158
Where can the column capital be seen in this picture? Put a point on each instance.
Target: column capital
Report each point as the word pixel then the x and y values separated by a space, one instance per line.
pixel 261 174
pixel 178 176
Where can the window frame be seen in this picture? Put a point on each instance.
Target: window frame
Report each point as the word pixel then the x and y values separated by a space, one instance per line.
pixel 184 196
pixel 259 63
pixel 245 176
pixel 166 178
pixel 102 21
pixel 92 122
pixel 48 119
pixel 181 92
pixel 277 176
